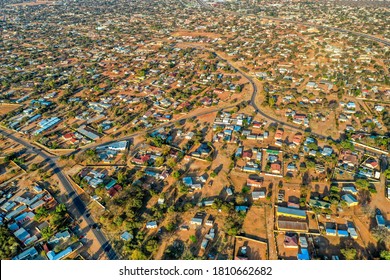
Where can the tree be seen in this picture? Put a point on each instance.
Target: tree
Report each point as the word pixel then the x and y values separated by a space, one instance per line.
pixel 61 208
pixel 151 245
pixel 121 177
pixel 176 174
pixel 159 161
pixel 47 233
pixel 138 255
pixel 385 255
pixel 193 238
pixel 349 254
pixel 41 212
pixel 8 244
pixel 362 183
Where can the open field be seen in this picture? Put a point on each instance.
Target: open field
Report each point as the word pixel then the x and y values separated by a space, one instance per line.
pixel 6 108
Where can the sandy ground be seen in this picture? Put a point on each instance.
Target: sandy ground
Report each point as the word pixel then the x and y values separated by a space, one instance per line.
pixel 6 108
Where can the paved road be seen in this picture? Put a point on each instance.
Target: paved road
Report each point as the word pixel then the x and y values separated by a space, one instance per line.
pixel 75 205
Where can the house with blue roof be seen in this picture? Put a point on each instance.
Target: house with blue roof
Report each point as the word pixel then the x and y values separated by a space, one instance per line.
pixel 188 181
pixel 327 151
pixel 342 233
pixel 330 231
pixel 350 200
pixel 53 256
pixel 304 255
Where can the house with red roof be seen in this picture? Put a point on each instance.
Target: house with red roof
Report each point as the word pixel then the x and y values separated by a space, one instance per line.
pixel 254 183
pixel 276 168
pixel 247 154
pixel 142 160
pixel 279 134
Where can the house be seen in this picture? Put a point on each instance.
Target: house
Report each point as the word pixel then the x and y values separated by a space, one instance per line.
pixel 304 255
pixel 319 204
pixel 327 151
pixel 380 220
pixel 22 234
pixel 291 167
pixel 126 236
pixel 295 226
pixel 204 244
pixel 349 158
pixel 152 224
pixel 41 226
pixel 350 189
pixel 257 183
pixel 372 163
pixel 290 241
pixel 350 200
pixel 352 232
pixel 59 237
pixel 241 208
pixel 251 168
pixel 189 135
pixel 211 234
pixel 303 242
pixel 275 168
pixel 28 254
pixel 351 105
pixel 379 108
pixel 278 143
pixel 291 212
pixel 279 134
pixel 229 191
pixel 142 160
pixel 196 221
pixel 342 233
pixel 53 256
pixel 187 181
pixel 297 139
pixel 258 194
pixel 330 231
pixel 210 221
pixel 247 155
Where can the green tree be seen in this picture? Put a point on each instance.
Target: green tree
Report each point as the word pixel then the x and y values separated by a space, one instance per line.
pixel 61 208
pixel 151 246
pixel 349 253
pixel 9 247
pixel 121 177
pixel 176 174
pixel 193 239
pixel 47 233
pixel 385 255
pixel 138 255
pixel 362 183
pixel 41 212
pixel 159 161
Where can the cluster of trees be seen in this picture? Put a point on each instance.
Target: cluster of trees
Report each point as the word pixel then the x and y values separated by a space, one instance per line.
pixel 233 223
pixel 9 247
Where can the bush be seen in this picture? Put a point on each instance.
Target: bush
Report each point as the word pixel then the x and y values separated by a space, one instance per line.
pixel 193 239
